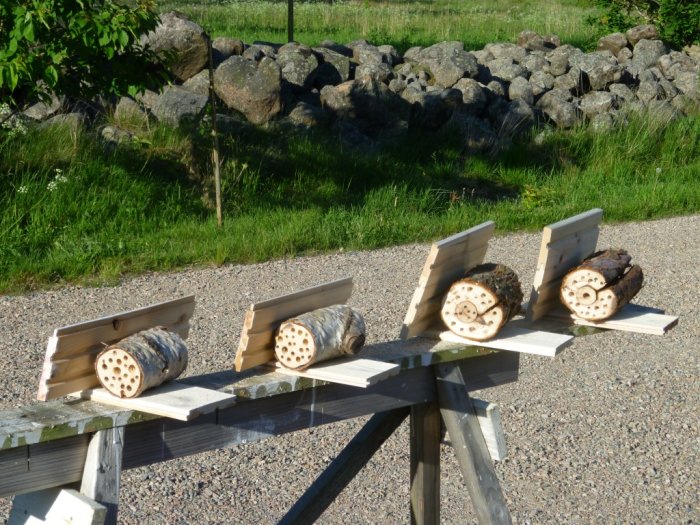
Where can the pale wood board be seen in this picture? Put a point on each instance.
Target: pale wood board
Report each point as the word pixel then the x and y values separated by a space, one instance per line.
pixel 632 318
pixel 517 339
pixel 346 371
pixel 71 350
pixel 564 245
pixel 489 416
pixel 56 506
pixel 447 261
pixel 173 399
pixel 257 343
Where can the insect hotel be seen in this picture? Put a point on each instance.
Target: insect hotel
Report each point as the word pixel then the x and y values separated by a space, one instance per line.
pixel 111 395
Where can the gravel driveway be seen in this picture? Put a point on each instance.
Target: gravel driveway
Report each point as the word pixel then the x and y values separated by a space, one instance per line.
pixel 607 432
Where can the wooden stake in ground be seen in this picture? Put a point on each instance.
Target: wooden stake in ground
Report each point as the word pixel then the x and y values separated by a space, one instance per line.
pixel 141 361
pixel 601 285
pixel 319 335
pixel 478 305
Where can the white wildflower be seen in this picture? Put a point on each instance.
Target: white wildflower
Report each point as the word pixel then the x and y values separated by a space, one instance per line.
pixel 22 189
pixel 658 171
pixel 52 185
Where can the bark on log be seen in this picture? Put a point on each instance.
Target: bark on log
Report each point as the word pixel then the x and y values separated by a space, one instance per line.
pixel 478 305
pixel 141 361
pixel 319 335
pixel 601 285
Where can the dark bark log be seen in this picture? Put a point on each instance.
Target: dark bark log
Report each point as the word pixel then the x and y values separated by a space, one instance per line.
pixel 477 306
pixel 604 283
pixel 319 335
pixel 141 361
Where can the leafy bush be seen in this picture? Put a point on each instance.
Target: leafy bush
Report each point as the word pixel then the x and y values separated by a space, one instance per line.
pixel 678 21
pixel 78 48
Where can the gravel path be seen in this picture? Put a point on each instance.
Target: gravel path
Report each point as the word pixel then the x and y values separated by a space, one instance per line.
pixel 607 432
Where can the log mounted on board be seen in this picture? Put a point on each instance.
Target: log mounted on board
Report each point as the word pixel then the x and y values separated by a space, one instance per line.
pixel 601 285
pixel 319 335
pixel 486 298
pixel 141 361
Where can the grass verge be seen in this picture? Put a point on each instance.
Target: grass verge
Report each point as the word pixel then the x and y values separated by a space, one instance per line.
pixel 72 211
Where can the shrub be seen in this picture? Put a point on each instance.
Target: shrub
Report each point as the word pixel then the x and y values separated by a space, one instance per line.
pixel 78 48
pixel 678 21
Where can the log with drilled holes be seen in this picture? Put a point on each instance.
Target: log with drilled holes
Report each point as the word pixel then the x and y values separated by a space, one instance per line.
pixel 601 285
pixel 319 335
pixel 141 361
pixel 478 305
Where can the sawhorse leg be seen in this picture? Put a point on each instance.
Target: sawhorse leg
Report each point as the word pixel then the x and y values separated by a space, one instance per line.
pixel 425 464
pixel 102 472
pixel 468 443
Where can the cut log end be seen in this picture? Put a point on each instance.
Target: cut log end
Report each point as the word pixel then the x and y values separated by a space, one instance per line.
pixel 119 373
pixel 295 347
pixel 596 295
pixel 478 306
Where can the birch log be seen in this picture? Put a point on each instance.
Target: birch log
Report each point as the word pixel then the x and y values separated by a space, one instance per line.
pixel 319 335
pixel 477 306
pixel 141 361
pixel 601 285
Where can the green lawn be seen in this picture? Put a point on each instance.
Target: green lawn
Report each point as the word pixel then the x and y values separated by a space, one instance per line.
pixel 73 211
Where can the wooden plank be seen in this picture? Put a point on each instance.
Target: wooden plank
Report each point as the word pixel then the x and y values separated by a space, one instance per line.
pixel 172 399
pixel 489 417
pixel 353 371
pixel 264 318
pixel 425 464
pixel 102 471
pixel 468 444
pixel 346 465
pixel 443 266
pixel 77 344
pixel 56 506
pixel 632 318
pixel 564 245
pixel 517 339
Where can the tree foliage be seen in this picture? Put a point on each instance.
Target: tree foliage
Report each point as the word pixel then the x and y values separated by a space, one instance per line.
pixel 678 21
pixel 77 48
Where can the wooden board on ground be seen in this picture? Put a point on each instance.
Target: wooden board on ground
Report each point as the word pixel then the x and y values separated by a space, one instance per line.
pixel 564 245
pixel 447 261
pixel 56 506
pixel 69 364
pixel 517 339
pixel 632 318
pixel 173 399
pixel 351 371
pixel 257 344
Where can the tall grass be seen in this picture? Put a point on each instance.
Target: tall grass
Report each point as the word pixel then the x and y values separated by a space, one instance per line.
pixel 402 24
pixel 140 207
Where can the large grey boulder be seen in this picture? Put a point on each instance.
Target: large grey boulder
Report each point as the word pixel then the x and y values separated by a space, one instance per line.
pixel 675 63
pixel 448 62
pixel 541 82
pixel 521 89
pixel 224 47
pixel 506 69
pixel 369 102
pixel 614 42
pixel 367 54
pixel 304 114
pixel 649 90
pixel 298 65
pixel 506 50
pixel 600 70
pixel 597 102
pixel 638 33
pixel 381 72
pixel 432 110
pixel 333 68
pixel 181 39
pixel 177 106
pixel 477 135
pixel 198 83
pixel 474 98
pixel 648 52
pixel 575 81
pixel 128 110
pixel 391 55
pixel 44 110
pixel 518 118
pixel 558 106
pixel 558 62
pixel 533 41
pixel 688 83
pixel 252 88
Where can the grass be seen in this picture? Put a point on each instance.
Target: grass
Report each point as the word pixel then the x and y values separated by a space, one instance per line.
pixel 143 206
pixel 402 24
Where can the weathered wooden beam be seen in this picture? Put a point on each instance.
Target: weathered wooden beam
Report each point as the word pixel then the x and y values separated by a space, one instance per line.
pixel 344 468
pixel 468 443
pixel 61 461
pixel 425 464
pixel 102 472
